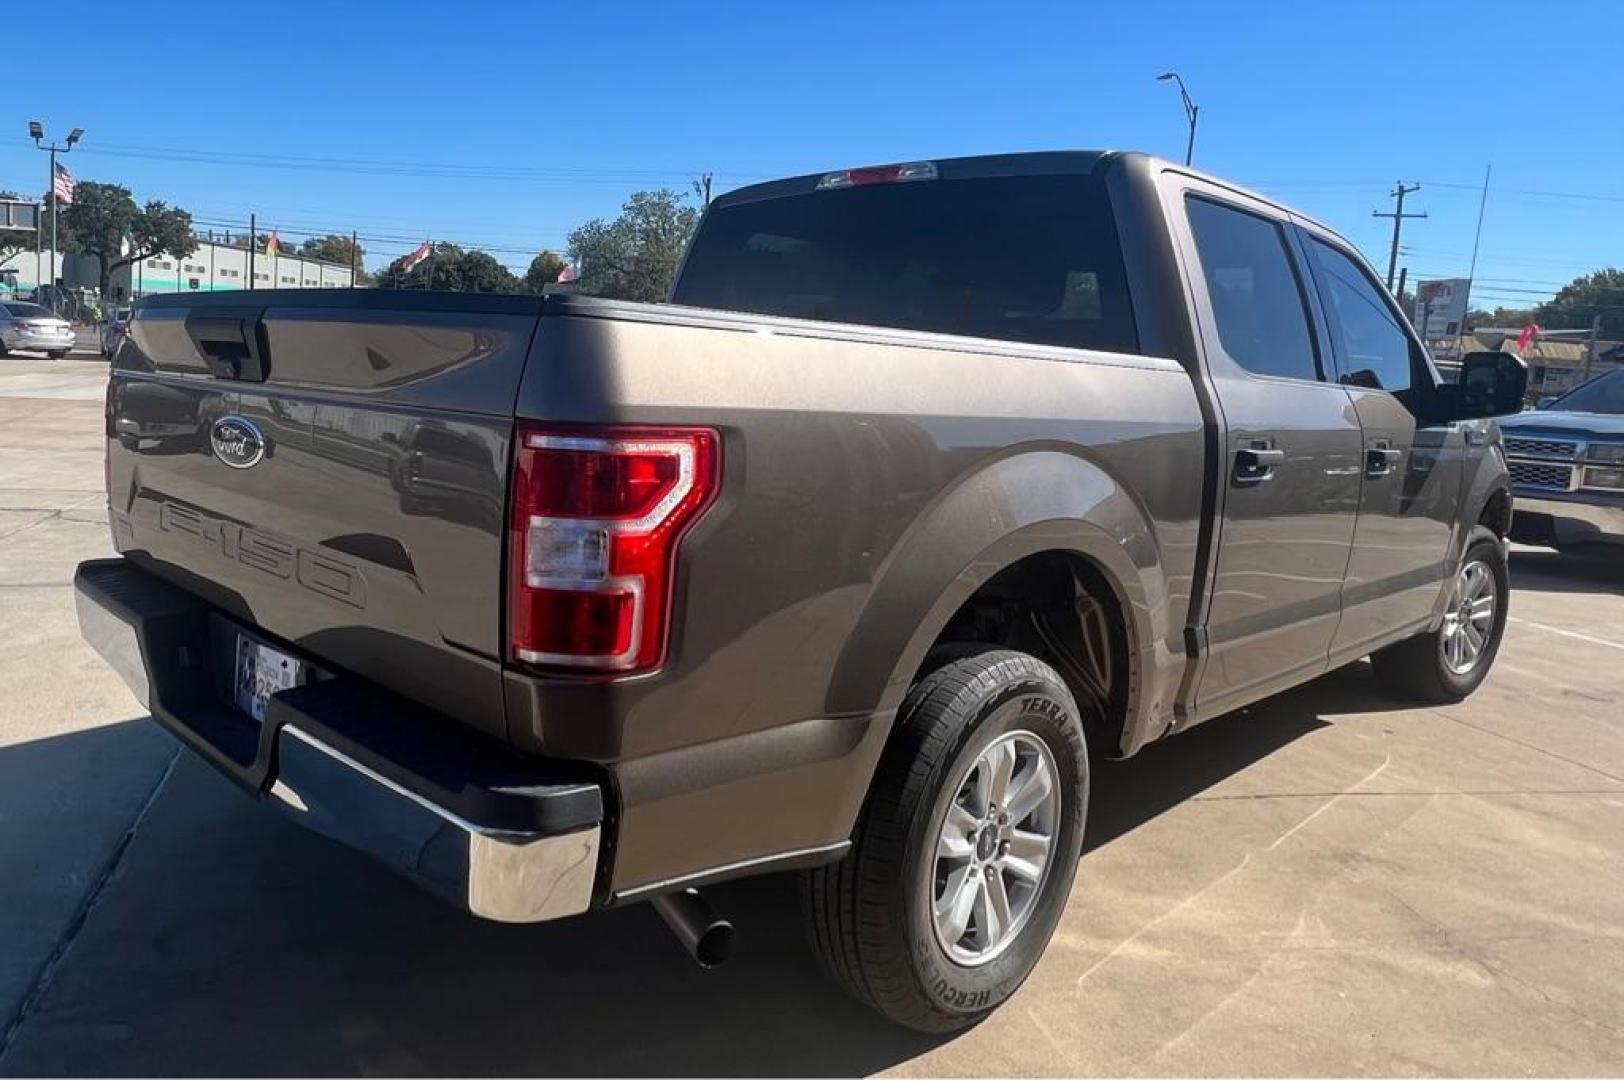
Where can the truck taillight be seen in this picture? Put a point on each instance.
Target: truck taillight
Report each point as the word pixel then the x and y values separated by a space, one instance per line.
pixel 592 541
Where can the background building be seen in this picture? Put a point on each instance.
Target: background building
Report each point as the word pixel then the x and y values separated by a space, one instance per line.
pixel 212 267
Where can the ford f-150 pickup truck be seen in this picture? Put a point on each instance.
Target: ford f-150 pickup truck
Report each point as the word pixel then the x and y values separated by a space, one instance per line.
pixel 1567 468
pixel 931 483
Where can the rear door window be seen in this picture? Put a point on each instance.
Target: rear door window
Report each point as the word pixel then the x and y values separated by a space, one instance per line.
pixel 1022 258
pixel 1257 299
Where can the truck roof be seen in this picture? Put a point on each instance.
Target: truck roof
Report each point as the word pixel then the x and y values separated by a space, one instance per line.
pixel 1026 163
pixel 1017 163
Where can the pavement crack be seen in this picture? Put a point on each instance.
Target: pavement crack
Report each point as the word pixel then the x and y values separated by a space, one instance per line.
pixel 1528 746
pixel 70 933
pixel 45 515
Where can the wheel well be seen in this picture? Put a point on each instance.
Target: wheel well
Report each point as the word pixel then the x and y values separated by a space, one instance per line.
pixel 1496 514
pixel 1059 607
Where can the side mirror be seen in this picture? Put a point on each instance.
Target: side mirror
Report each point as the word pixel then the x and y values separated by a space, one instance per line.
pixel 1491 384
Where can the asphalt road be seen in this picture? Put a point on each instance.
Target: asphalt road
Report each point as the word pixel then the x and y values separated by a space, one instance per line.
pixel 1327 884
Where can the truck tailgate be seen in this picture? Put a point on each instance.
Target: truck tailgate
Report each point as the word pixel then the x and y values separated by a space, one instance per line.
pixel 330 468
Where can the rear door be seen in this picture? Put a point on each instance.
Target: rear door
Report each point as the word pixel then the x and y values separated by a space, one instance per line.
pixel 1411 473
pixel 1290 480
pixel 330 472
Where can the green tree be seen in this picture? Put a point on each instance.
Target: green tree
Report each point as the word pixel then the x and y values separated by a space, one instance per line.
pixel 544 271
pixel 334 248
pixel 454 269
pixel 635 256
pixel 105 221
pixel 1583 298
pixel 1501 318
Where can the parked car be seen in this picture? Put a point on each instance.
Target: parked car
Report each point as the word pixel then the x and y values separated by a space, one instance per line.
pixel 113 331
pixel 934 483
pixel 1567 468
pixel 30 327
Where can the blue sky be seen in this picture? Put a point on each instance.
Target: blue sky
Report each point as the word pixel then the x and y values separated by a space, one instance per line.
pixel 533 117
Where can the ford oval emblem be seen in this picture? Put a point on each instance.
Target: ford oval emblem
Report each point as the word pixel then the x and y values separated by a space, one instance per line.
pixel 237 442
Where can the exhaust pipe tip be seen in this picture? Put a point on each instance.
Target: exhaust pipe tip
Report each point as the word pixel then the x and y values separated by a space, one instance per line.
pixel 707 936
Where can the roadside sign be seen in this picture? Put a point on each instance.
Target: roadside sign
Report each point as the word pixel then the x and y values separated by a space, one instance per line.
pixel 1440 307
pixel 18 214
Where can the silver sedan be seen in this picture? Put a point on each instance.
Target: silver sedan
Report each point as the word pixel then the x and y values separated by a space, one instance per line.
pixel 33 328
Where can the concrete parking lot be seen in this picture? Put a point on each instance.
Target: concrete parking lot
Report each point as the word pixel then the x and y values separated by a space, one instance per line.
pixel 1326 884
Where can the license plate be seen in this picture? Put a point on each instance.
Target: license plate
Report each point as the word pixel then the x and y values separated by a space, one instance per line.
pixel 261 672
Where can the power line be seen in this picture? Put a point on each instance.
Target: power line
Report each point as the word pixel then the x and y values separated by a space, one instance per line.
pixel 1585 196
pixel 375 166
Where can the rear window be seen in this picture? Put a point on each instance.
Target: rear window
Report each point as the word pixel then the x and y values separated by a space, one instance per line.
pixel 1029 258
pixel 28 311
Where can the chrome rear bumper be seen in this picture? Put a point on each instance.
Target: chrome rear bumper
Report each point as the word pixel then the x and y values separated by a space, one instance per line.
pixel 503 837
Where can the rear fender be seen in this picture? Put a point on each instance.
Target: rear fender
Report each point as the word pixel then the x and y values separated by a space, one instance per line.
pixel 1032 501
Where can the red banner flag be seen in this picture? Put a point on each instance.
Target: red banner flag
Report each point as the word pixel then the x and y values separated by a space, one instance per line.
pixel 410 262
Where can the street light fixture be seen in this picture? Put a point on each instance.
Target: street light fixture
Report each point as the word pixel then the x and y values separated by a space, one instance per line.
pixel 1191 110
pixel 36 131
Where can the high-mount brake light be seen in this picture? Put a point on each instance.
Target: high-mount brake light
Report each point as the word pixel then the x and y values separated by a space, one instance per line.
pixel 878 174
pixel 592 541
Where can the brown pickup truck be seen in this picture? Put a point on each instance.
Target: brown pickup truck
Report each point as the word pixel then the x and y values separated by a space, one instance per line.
pixel 932 483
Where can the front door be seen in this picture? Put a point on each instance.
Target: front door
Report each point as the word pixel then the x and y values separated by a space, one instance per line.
pixel 1412 473
pixel 1292 460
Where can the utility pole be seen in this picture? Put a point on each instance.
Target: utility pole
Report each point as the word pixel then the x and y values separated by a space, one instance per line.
pixel 1398 215
pixel 36 131
pixel 705 187
pixel 1590 350
pixel 253 230
pixel 429 285
pixel 355 260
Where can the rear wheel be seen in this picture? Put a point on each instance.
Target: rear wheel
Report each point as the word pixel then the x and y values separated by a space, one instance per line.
pixel 1447 664
pixel 57 354
pixel 966 852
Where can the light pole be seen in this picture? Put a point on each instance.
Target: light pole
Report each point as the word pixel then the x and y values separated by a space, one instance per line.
pixel 36 131
pixel 1191 110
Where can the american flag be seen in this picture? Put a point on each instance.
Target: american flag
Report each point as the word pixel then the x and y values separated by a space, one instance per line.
pixel 64 184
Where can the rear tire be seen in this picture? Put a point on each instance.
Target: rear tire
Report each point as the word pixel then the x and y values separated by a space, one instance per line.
pixel 57 354
pixel 964 858
pixel 1447 664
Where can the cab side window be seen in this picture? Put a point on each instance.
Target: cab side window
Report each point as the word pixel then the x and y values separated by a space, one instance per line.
pixel 1372 349
pixel 1257 300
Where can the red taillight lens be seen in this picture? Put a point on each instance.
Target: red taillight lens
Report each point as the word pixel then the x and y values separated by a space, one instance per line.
pixel 593 541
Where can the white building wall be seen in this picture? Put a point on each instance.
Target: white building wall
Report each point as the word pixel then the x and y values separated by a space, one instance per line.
pixel 218 267
pixel 27 270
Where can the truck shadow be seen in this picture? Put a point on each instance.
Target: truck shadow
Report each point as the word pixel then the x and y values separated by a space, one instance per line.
pixel 229 942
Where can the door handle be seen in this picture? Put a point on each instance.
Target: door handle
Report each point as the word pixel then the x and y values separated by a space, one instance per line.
pixel 1255 464
pixel 1381 459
